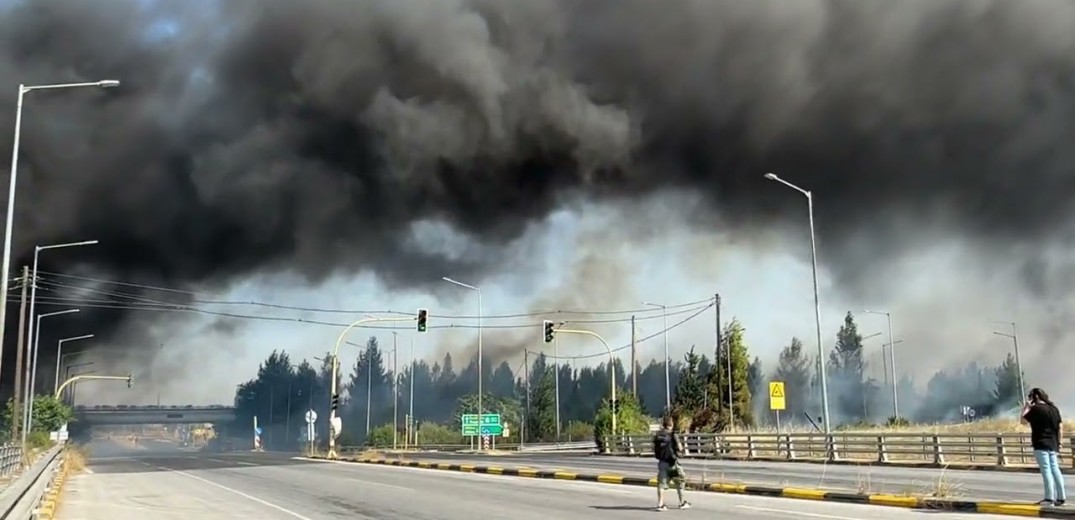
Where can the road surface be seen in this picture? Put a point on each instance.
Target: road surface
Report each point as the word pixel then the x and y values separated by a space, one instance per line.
pixel 166 485
pixel 988 485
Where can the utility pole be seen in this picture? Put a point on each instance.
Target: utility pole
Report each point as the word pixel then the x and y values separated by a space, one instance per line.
pixel 526 376
pixel 634 357
pixel 410 406
pixel 18 356
pixel 395 391
pixel 556 379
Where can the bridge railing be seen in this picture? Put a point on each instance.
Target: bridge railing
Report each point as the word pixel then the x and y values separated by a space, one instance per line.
pixel 999 449
pixel 10 459
pixel 21 499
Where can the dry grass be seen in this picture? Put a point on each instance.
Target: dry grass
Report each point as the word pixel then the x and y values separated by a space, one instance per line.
pixel 76 458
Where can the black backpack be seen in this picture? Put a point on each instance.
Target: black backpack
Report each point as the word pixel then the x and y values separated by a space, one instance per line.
pixel 664 446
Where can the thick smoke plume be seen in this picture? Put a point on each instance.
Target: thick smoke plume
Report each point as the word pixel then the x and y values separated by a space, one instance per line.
pixel 313 136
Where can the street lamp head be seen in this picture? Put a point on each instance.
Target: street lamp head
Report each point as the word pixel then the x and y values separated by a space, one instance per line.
pixel 771 176
pixel 108 83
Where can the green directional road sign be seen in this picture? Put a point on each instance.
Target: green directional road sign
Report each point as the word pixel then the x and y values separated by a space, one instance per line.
pixel 490 424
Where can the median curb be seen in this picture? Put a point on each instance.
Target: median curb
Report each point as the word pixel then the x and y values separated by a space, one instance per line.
pixel 906 502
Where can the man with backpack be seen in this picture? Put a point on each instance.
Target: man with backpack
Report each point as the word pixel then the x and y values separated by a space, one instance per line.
pixel 667 449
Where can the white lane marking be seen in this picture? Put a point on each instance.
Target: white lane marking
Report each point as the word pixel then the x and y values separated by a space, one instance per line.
pixel 511 479
pixel 88 470
pixel 796 513
pixel 237 492
pixel 241 463
pixel 217 460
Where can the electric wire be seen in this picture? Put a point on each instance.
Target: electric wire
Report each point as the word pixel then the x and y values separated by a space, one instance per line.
pixel 203 299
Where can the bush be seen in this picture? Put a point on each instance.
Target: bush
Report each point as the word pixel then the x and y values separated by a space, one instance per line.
pixel 381 436
pixel 433 433
pixel 38 440
pixel 579 431
pixel 630 420
pixel 897 422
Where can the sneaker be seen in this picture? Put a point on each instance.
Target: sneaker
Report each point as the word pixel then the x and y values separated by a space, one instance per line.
pixel 685 505
pixel 662 508
pixel 1059 503
pixel 1045 502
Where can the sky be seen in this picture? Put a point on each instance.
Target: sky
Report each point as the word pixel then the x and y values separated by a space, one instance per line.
pixel 769 289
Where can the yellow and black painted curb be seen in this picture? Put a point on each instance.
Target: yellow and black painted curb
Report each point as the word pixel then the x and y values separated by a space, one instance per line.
pixel 909 502
pixel 50 503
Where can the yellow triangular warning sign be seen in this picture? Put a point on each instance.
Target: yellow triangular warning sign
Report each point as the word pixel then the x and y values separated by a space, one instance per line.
pixel 776 389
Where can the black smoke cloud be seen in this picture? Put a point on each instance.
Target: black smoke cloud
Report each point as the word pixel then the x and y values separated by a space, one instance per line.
pixel 311 135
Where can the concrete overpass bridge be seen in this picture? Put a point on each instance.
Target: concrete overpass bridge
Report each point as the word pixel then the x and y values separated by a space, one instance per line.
pixel 104 415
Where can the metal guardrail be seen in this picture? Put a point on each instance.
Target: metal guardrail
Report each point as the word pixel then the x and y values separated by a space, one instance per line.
pixel 999 449
pixel 21 498
pixel 529 446
pixel 10 459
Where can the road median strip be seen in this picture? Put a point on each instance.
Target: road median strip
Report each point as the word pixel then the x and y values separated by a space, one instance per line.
pixel 50 502
pixel 901 501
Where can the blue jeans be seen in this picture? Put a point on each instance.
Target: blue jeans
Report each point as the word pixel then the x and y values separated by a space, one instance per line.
pixel 1050 474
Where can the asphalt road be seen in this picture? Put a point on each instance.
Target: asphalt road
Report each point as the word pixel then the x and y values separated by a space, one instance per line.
pixel 989 485
pixel 171 484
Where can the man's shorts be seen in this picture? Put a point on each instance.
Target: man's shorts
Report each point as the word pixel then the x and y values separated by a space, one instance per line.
pixel 667 472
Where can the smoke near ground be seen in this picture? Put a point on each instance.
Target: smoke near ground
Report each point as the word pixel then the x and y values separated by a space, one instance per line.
pixel 311 137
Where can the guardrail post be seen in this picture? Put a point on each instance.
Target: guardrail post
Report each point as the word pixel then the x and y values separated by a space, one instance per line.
pixel 1002 453
pixel 751 454
pixel 830 448
pixel 791 448
pixel 938 454
pixel 882 452
pixel 631 446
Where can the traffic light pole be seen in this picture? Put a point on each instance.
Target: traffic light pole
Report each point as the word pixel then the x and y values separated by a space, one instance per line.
pixel 611 367
pixel 59 391
pixel 335 425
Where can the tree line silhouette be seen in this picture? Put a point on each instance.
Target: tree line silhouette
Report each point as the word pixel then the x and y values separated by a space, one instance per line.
pixel 526 396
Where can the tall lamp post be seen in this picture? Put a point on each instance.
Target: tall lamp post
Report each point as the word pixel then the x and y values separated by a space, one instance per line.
pixel 59 352
pixel 31 372
pixel 667 360
pixel 891 361
pixel 33 287
pixel 1018 363
pixel 6 267
pixel 479 291
pixel 817 300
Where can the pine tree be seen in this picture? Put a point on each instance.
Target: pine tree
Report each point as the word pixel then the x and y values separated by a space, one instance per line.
pixel 542 423
pixel 716 417
pixel 845 370
pixel 1006 393
pixel 688 398
pixel 795 370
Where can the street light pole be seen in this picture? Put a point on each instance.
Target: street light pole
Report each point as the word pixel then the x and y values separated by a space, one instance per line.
pixel 891 361
pixel 667 359
pixel 6 267
pixel 31 372
pixel 412 433
pixel 33 286
pixel 479 291
pixel 1018 363
pixel 59 351
pixel 817 300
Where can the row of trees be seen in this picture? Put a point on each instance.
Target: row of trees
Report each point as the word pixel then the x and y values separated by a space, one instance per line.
pixel 711 393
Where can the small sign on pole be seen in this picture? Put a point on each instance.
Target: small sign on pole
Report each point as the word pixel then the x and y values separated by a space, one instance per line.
pixel 777 400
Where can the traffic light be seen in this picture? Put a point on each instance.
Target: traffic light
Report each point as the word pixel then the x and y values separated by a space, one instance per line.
pixel 423 314
pixel 335 401
pixel 130 382
pixel 548 331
